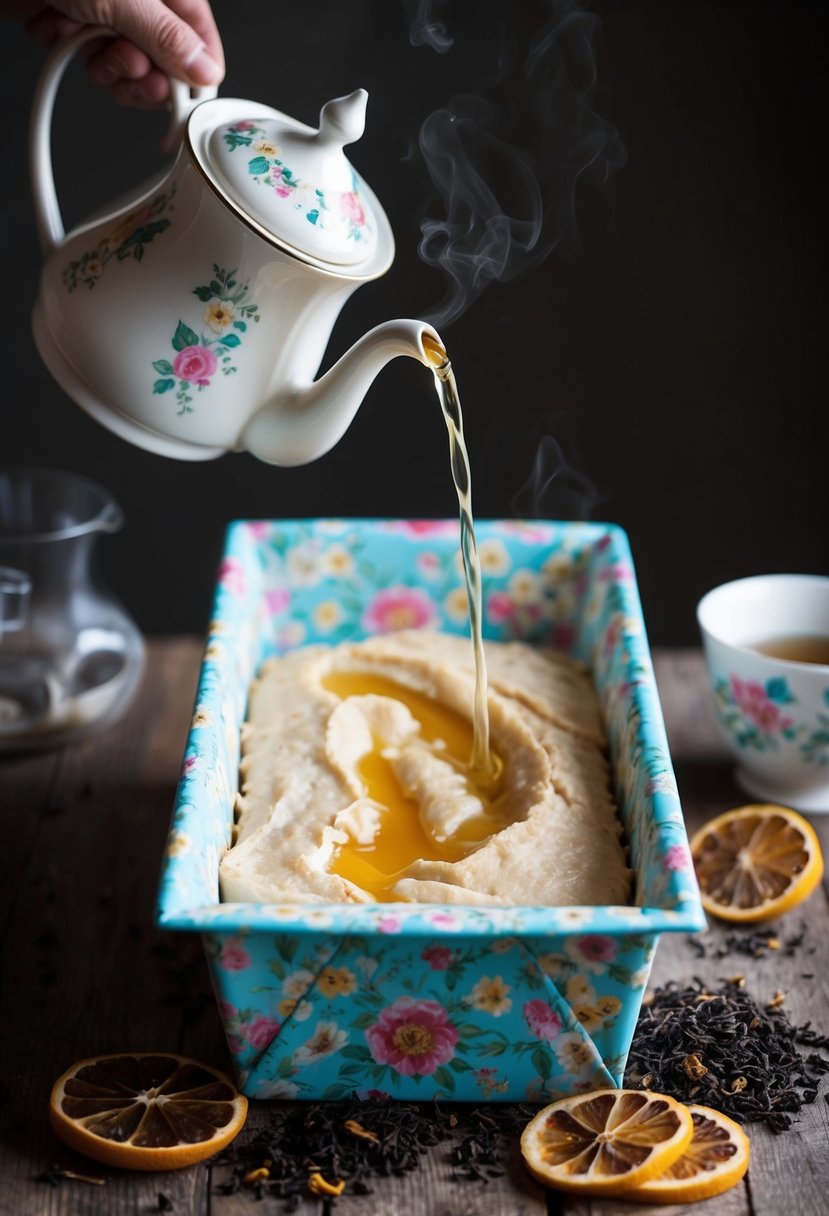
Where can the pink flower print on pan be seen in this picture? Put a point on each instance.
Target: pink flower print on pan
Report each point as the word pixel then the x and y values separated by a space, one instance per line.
pixel 232 576
pixel 499 607
pixel 413 1037
pixel 676 857
pixel 542 1019
pixel 234 956
pixel 261 1031
pixel 594 952
pixel 399 608
pixel 438 957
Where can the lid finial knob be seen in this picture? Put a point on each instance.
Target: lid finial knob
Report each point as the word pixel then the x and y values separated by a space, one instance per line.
pixel 343 119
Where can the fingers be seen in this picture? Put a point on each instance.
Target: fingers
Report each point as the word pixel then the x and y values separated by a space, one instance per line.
pixel 172 44
pixel 157 39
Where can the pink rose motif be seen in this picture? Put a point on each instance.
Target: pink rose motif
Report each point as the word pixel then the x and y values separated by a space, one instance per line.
pixel 351 206
pixel 261 1031
pixel 413 1037
pixel 597 948
pixel 232 576
pixel 438 957
pixel 428 564
pixel 228 1011
pixel 752 698
pixel 234 956
pixel 388 924
pixel 399 608
pixel 282 191
pixel 372 1095
pixel 424 528
pixel 245 125
pixel 542 1020
pixel 676 858
pixel 196 364
pixel 189 765
pixel 277 600
pixel 499 607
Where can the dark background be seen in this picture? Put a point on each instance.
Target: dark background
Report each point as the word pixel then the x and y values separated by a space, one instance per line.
pixel 677 354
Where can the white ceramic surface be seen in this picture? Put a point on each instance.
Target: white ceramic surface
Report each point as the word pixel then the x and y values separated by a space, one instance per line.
pixel 191 319
pixel 773 713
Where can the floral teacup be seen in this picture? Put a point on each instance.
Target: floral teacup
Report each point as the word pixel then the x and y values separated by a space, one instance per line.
pixel 773 712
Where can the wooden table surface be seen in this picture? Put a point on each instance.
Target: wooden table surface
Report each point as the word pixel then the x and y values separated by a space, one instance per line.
pixel 87 972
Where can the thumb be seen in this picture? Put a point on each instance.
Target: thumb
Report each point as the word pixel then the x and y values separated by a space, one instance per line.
pixel 171 43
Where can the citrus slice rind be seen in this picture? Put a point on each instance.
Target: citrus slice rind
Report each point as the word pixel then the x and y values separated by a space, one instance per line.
pixel 146 1111
pixel 608 1141
pixel 756 862
pixel 714 1162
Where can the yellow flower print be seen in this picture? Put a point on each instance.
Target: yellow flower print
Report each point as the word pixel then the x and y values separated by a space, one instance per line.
pixel 265 148
pixel 493 556
pixel 336 981
pixel 455 605
pixel 580 992
pixel 202 717
pixel 299 1010
pixel 327 616
pixel 608 1006
pixel 338 562
pixel 553 965
pixel 525 586
pixel 220 315
pixel 490 996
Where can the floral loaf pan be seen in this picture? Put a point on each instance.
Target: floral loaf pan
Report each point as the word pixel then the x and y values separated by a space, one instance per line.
pixel 420 1001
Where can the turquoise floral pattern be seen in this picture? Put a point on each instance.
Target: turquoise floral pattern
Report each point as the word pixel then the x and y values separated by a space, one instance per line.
pixel 127 239
pixel 199 356
pixel 756 716
pixel 754 712
pixel 815 746
pixel 423 1001
pixel 268 169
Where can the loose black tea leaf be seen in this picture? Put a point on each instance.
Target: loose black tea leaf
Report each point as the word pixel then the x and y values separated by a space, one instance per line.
pixel 722 1049
pixel 315 1147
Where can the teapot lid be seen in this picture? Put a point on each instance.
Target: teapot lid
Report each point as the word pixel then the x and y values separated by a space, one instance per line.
pixel 292 181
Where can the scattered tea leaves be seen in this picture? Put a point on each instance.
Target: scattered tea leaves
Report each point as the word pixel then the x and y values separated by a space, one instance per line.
pixel 339 1147
pixel 722 1049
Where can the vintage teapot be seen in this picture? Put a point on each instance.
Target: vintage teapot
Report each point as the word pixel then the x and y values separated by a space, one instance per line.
pixel 192 318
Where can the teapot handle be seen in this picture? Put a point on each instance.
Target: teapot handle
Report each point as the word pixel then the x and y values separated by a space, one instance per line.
pixel 47 211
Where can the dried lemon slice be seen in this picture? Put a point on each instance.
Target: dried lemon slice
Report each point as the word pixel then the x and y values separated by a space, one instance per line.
pixel 146 1112
pixel 714 1161
pixel 756 862
pixel 607 1141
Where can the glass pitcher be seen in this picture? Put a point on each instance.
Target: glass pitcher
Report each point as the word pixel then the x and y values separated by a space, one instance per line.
pixel 70 656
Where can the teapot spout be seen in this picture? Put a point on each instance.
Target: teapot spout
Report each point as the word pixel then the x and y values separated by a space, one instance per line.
pixel 302 426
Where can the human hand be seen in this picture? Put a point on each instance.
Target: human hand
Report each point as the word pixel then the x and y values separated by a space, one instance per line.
pixel 156 39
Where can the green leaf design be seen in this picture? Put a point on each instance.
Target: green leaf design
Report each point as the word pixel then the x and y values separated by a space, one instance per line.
pixel 204 293
pixel 163 367
pixel 541 1063
pixel 353 1052
pixel 184 336
pixel 364 1020
pixel 258 165
pixel 459 1065
pixel 277 968
pixel 240 325
pixel 444 1078
pixel 231 340
pixel 312 216
pixel 163 386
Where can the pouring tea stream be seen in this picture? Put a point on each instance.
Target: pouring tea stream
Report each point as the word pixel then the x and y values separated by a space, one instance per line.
pixel 192 319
